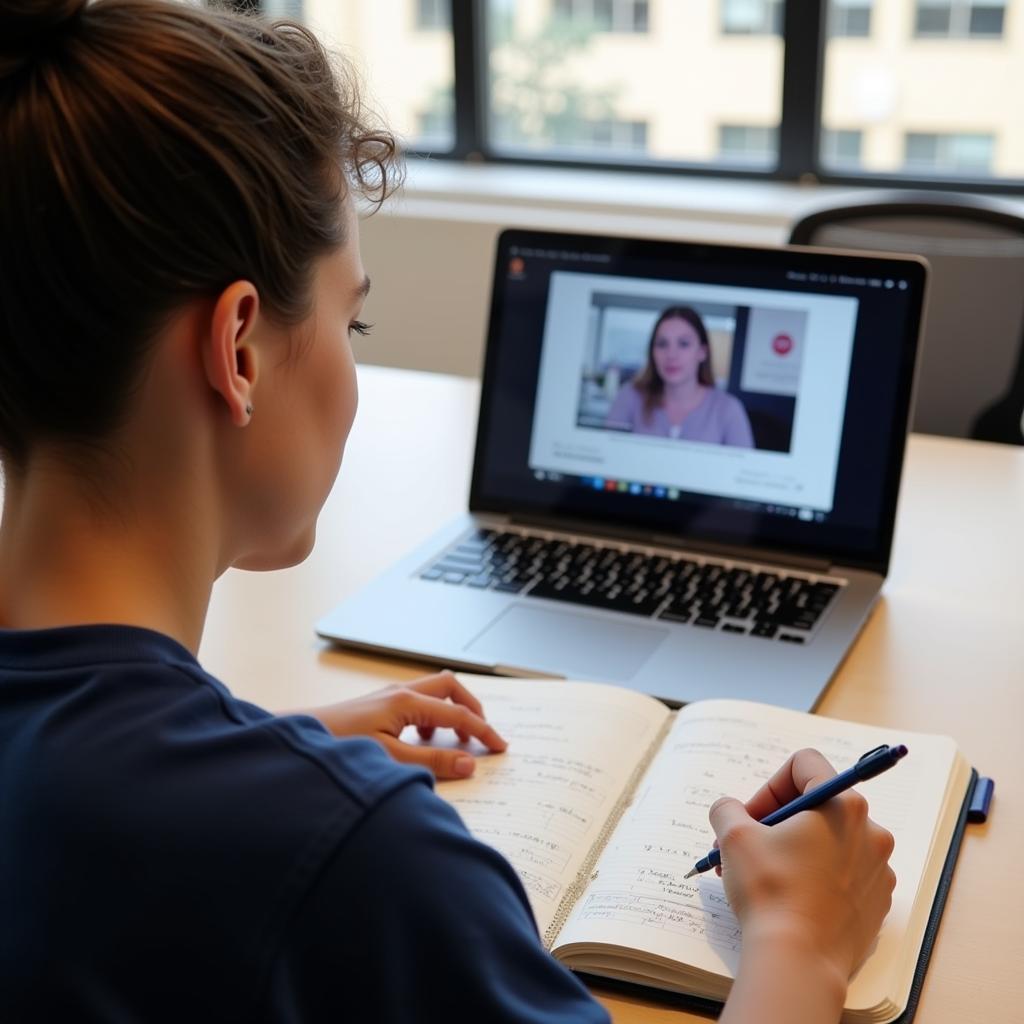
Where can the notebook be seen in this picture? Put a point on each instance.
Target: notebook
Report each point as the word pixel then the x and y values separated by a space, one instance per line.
pixel 601 804
pixel 686 471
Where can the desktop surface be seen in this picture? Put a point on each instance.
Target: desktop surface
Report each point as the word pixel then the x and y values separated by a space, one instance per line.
pixel 943 651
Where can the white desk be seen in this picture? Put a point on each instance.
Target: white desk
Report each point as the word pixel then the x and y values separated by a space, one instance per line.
pixel 943 652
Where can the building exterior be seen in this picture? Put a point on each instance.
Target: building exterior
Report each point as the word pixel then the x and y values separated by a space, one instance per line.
pixel 923 87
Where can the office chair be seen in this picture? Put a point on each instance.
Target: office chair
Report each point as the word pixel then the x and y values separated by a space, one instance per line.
pixel 971 374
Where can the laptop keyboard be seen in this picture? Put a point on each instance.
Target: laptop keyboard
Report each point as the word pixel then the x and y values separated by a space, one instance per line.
pixel 708 594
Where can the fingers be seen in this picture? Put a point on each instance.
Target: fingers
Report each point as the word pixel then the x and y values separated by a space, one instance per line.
pixel 444 763
pixel 802 771
pixel 427 712
pixel 883 842
pixel 729 818
pixel 445 686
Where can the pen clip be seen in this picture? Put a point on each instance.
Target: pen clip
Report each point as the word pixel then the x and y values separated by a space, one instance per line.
pixel 884 746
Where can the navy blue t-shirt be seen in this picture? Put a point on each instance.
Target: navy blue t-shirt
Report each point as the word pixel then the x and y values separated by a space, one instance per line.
pixel 170 853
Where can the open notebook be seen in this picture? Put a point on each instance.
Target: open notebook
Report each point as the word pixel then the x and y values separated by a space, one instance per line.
pixel 601 804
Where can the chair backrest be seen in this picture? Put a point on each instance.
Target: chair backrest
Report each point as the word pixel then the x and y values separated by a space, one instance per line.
pixel 974 322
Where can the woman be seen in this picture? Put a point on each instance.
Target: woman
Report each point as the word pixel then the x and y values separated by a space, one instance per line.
pixel 675 394
pixel 181 273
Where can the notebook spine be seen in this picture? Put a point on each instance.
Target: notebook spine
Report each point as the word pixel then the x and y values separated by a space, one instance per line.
pixel 586 873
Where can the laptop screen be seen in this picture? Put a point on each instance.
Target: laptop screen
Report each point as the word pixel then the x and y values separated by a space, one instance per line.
pixel 755 398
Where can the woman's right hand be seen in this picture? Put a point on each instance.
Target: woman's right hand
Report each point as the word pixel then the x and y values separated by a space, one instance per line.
pixel 820 879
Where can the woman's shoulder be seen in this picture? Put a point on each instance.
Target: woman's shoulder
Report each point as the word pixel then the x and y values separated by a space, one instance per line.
pixel 630 395
pixel 725 403
pixel 625 404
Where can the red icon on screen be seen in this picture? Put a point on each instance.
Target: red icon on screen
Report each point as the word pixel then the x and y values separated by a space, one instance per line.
pixel 516 266
pixel 783 344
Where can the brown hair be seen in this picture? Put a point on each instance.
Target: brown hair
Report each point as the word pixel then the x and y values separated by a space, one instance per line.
pixel 648 381
pixel 154 152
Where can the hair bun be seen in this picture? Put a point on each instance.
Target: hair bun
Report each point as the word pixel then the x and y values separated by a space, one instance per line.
pixel 27 25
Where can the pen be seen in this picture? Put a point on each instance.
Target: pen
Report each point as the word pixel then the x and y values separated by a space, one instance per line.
pixel 873 763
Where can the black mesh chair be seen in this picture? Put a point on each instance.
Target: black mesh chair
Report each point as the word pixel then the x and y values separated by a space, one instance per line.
pixel 971 377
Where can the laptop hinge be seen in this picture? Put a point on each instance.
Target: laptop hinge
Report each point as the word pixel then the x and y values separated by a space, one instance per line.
pixel 728 551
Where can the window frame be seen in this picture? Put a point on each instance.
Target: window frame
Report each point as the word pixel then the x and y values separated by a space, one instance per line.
pixel 805 26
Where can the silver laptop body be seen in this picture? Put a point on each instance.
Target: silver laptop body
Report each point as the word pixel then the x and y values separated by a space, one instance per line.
pixel 741 561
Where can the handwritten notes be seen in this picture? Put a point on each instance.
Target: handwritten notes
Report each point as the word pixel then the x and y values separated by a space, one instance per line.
pixel 543 803
pixel 639 898
pixel 574 753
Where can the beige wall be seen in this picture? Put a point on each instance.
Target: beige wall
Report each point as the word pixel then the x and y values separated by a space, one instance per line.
pixel 891 83
pixel 402 66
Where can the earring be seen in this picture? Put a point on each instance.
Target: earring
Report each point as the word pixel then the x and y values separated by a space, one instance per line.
pixel 248 409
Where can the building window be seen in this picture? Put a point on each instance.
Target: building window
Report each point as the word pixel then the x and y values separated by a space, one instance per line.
pixel 840 148
pixel 433 14
pixel 283 9
pixel 749 145
pixel 571 81
pixel 605 15
pixel 604 133
pixel 434 121
pixel 752 17
pixel 937 153
pixel 850 18
pixel 959 19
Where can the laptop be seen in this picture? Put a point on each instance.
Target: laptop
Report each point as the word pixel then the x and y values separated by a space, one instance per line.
pixel 686 471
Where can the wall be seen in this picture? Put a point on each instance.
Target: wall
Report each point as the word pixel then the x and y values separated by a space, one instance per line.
pixel 429 252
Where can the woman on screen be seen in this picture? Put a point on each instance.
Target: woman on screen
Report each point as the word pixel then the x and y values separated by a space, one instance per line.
pixel 675 394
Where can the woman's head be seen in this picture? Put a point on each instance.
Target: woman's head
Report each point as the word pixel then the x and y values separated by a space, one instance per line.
pixel 678 353
pixel 160 159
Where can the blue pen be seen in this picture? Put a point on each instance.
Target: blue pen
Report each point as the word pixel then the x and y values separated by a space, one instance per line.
pixel 873 763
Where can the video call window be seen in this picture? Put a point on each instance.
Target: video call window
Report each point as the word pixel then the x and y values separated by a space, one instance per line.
pixel 704 372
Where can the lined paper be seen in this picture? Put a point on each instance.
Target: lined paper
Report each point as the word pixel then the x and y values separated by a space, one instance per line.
pixel 572 749
pixel 639 898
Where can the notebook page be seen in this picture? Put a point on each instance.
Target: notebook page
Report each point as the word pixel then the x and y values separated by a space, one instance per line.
pixel 639 899
pixel 572 749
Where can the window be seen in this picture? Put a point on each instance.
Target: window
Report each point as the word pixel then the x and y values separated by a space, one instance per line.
pixel 840 148
pixel 433 14
pixel 604 15
pixel 752 17
pixel 959 19
pixel 849 18
pixel 905 91
pixel 559 87
pixel 606 133
pixel 959 154
pixel 435 120
pixel 284 9
pixel 408 73
pixel 747 144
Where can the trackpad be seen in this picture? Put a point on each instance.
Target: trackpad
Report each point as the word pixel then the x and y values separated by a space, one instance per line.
pixel 567 643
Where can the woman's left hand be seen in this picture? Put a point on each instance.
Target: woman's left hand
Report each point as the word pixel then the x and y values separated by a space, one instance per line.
pixel 434 702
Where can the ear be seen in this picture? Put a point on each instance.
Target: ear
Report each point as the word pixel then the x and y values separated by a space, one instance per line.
pixel 229 355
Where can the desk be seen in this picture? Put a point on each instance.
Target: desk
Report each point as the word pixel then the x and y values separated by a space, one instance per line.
pixel 943 652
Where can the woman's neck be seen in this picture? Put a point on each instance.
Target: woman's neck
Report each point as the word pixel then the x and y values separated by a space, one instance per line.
pixel 684 392
pixel 71 555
